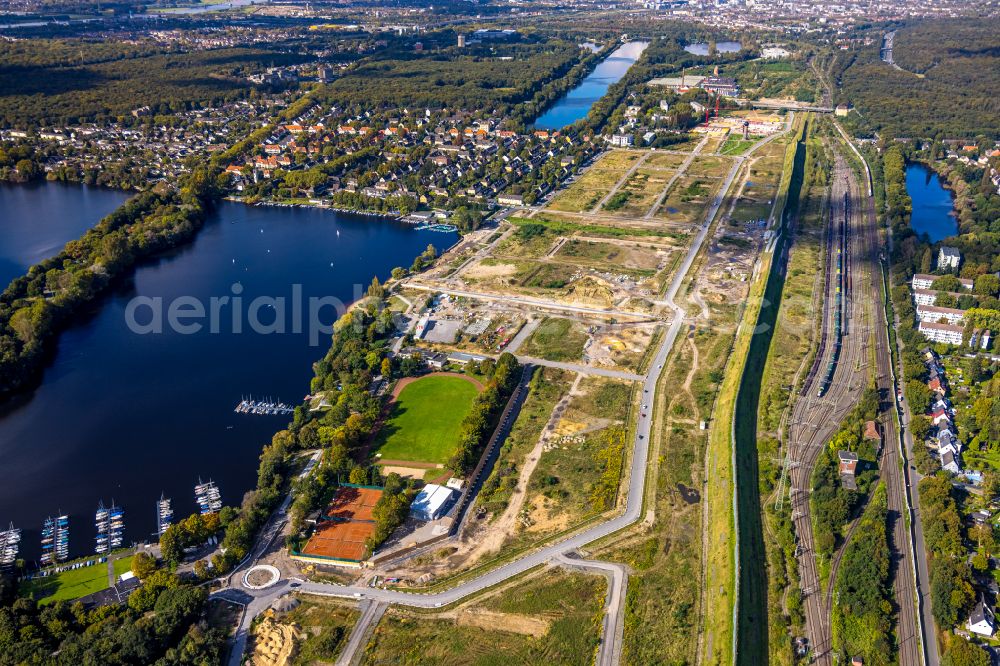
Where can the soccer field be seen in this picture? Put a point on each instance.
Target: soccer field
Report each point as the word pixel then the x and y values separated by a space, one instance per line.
pixel 425 419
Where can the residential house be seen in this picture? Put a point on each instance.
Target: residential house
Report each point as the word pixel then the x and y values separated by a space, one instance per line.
pixel 949 462
pixel 948 257
pixel 981 620
pixel 848 467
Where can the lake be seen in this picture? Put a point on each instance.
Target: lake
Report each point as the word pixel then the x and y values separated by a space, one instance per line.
pixel 933 207
pixel 701 48
pixel 575 104
pixel 36 220
pixel 122 415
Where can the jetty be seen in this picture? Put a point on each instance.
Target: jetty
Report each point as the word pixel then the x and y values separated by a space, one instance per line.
pixel 164 515
pixel 268 407
pixel 55 539
pixel 10 545
pixel 208 497
pixel 110 525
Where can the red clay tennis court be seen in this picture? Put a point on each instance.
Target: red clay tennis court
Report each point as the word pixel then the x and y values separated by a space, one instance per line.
pixel 353 503
pixel 343 541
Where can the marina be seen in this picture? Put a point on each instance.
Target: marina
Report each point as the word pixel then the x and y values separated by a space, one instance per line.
pixel 90 450
pixel 267 407
pixel 208 497
pixel 110 525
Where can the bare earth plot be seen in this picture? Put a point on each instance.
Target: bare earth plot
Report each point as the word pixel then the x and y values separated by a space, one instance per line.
pixel 596 182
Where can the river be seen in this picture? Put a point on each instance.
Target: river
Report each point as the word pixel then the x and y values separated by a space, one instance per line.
pixel 575 104
pixel 933 207
pixel 122 415
pixel 37 220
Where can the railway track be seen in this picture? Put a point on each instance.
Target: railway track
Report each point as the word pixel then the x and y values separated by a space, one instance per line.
pixel 817 414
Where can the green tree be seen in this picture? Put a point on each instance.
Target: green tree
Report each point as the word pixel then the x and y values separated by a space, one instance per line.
pixel 961 652
pixel 143 565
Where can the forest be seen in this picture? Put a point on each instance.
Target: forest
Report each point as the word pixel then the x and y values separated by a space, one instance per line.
pixel 60 82
pixel 495 77
pixel 945 89
pixel 861 622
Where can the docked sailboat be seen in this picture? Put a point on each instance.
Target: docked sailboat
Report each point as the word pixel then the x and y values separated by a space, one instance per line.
pixel 10 545
pixel 55 540
pixel 208 497
pixel 164 515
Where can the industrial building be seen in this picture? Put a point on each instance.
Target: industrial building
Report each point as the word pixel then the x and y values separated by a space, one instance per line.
pixel 432 502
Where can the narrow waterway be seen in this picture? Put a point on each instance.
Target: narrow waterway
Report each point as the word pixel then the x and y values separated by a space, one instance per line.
pixel 36 220
pixel 577 102
pixel 123 414
pixel 933 206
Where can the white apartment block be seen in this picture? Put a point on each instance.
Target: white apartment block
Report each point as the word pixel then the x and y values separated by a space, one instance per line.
pixel 947 333
pixel 932 313
pixel 925 280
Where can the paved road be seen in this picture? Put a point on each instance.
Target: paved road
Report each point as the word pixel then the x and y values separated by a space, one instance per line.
pixel 583 369
pixel 371 613
pixel 609 652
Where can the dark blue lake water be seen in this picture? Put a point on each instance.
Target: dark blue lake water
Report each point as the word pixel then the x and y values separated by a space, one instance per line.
pixel 37 220
pixel 124 416
pixel 701 48
pixel 933 207
pixel 577 102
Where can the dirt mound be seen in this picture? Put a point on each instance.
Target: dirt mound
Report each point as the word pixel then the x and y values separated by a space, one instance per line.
pixel 274 644
pixel 518 624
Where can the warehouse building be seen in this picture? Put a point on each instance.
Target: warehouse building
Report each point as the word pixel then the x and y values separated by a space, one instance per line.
pixel 432 502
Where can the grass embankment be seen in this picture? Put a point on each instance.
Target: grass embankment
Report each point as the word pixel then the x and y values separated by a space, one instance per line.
pixel 547 386
pixel 554 618
pixel 791 353
pixel 425 420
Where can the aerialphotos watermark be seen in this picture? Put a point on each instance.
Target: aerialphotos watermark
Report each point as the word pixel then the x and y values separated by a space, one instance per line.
pixel 263 315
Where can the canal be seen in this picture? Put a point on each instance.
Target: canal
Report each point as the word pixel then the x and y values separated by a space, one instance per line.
pixel 577 102
pixel 933 206
pixel 123 415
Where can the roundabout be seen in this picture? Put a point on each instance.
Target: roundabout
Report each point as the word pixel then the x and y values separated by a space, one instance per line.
pixel 261 577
